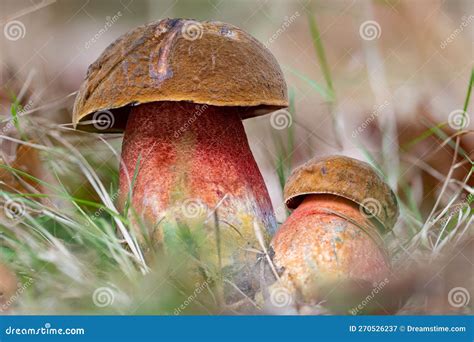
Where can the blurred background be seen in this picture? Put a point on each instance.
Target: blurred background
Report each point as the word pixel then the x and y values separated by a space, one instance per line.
pixel 385 81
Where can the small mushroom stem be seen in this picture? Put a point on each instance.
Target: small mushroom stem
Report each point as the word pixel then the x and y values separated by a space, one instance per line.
pixel 327 238
pixel 192 155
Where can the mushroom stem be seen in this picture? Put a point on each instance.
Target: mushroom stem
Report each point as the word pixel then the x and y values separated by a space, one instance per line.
pixel 327 238
pixel 343 208
pixel 196 156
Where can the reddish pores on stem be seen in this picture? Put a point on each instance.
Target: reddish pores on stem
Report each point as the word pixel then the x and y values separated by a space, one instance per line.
pixel 179 90
pixel 334 235
pixel 194 167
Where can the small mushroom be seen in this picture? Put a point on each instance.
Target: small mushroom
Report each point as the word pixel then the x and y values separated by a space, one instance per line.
pixel 179 90
pixel 334 235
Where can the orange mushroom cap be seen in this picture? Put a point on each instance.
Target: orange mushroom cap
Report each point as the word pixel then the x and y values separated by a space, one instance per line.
pixel 207 62
pixel 346 177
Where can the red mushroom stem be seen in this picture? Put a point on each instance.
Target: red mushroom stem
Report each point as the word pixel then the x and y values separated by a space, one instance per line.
pixel 341 236
pixel 187 151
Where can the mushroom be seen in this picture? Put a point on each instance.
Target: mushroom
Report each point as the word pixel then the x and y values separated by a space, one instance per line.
pixel 333 237
pixel 179 90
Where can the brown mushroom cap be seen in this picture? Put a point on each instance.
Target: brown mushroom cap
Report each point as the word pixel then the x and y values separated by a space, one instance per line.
pixel 346 177
pixel 208 62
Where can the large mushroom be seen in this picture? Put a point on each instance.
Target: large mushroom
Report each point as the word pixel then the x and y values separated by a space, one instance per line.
pixel 179 90
pixel 334 236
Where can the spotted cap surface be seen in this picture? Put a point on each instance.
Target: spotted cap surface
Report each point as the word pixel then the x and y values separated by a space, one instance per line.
pixel 207 62
pixel 346 177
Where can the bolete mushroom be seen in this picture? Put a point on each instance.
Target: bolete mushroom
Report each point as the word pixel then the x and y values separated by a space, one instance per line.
pixel 179 90
pixel 342 208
